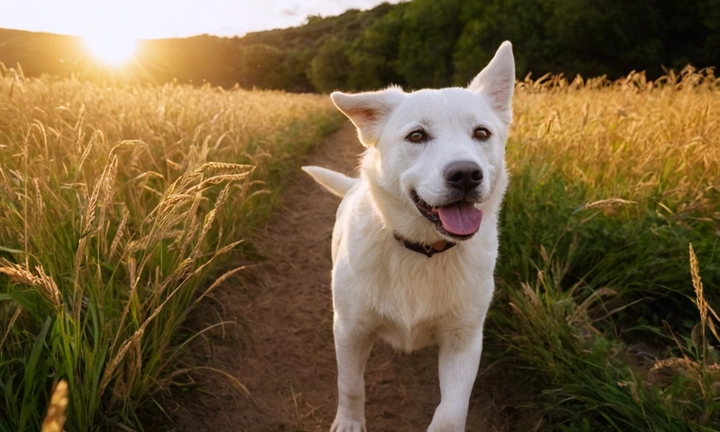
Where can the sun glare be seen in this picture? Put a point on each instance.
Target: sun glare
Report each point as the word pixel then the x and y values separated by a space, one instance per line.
pixel 111 49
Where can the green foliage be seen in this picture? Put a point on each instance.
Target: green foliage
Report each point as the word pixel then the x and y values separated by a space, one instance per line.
pixel 586 380
pixel 329 68
pixel 261 66
pixel 373 54
pixel 470 57
pixel 413 44
pixel 430 30
pixel 599 304
pixel 318 55
pixel 586 275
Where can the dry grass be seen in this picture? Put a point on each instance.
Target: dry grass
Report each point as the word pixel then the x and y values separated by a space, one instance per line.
pixel 610 183
pixel 118 206
pixel 628 139
pixel 119 201
pixel 56 416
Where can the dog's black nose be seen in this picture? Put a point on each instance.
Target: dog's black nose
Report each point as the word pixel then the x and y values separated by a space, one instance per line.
pixel 463 175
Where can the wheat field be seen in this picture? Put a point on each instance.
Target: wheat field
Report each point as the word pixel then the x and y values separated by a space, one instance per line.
pixel 119 203
pixel 615 191
pixel 629 139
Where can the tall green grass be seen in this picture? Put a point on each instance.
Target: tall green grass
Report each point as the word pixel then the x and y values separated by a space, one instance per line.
pixel 117 207
pixel 611 182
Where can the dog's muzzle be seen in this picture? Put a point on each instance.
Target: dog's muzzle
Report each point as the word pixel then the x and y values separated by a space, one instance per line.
pixel 458 219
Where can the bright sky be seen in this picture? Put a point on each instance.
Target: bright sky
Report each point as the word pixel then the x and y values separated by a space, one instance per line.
pixel 167 18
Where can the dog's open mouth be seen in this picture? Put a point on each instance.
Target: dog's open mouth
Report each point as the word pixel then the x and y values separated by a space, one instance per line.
pixel 460 219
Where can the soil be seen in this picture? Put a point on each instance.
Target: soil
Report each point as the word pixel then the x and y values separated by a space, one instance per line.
pixel 279 341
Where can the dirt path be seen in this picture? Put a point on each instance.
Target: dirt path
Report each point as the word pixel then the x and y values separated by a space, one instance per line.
pixel 282 348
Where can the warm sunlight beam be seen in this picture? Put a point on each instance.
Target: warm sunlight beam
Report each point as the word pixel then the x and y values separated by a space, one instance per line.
pixel 112 49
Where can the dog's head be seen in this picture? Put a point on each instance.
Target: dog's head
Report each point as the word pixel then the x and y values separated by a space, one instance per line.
pixel 437 154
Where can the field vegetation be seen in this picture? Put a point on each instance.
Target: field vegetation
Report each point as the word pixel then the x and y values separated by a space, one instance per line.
pixel 415 44
pixel 120 209
pixel 610 252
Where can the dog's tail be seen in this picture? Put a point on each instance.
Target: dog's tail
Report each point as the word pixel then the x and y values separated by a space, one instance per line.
pixel 335 182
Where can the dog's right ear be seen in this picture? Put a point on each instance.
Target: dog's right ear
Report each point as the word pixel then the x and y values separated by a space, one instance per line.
pixel 368 111
pixel 497 81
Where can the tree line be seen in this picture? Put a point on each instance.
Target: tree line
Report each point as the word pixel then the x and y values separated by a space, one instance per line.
pixel 422 43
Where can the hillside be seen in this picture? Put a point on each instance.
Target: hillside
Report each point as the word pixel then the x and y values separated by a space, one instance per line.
pixel 415 44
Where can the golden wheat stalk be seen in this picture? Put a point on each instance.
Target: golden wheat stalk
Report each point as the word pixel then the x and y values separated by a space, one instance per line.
pixel 608 202
pixel 702 304
pixel 112 366
pixel 96 136
pixel 39 203
pixel 214 180
pixel 224 276
pixel 56 413
pixel 10 325
pixel 45 284
pixel 106 192
pixel 222 166
pixel 120 232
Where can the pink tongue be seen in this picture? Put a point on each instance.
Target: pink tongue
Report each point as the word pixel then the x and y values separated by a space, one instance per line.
pixel 460 218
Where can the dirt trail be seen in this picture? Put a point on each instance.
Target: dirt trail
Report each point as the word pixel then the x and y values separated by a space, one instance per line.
pixel 282 348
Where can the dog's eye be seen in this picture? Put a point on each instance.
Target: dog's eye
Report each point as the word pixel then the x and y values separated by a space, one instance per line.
pixel 417 136
pixel 481 134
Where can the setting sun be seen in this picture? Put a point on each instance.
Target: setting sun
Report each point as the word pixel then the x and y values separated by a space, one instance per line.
pixel 112 49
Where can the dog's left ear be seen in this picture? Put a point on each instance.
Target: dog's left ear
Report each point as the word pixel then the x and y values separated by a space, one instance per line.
pixel 368 111
pixel 497 81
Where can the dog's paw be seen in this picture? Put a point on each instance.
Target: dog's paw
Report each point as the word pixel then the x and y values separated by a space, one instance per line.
pixel 448 418
pixel 446 427
pixel 347 425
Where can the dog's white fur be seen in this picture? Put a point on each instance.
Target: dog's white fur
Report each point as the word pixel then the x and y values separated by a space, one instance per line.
pixel 380 288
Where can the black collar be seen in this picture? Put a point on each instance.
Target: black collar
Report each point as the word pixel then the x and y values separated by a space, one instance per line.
pixel 425 249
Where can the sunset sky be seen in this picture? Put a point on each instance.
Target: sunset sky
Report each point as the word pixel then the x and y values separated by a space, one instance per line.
pixel 143 19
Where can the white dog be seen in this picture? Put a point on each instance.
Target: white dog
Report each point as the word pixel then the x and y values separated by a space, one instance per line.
pixel 416 239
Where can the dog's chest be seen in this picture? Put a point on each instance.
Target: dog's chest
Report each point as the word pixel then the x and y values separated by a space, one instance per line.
pixel 408 337
pixel 412 300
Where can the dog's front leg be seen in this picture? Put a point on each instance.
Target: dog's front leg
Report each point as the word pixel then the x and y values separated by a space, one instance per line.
pixel 352 347
pixel 458 366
